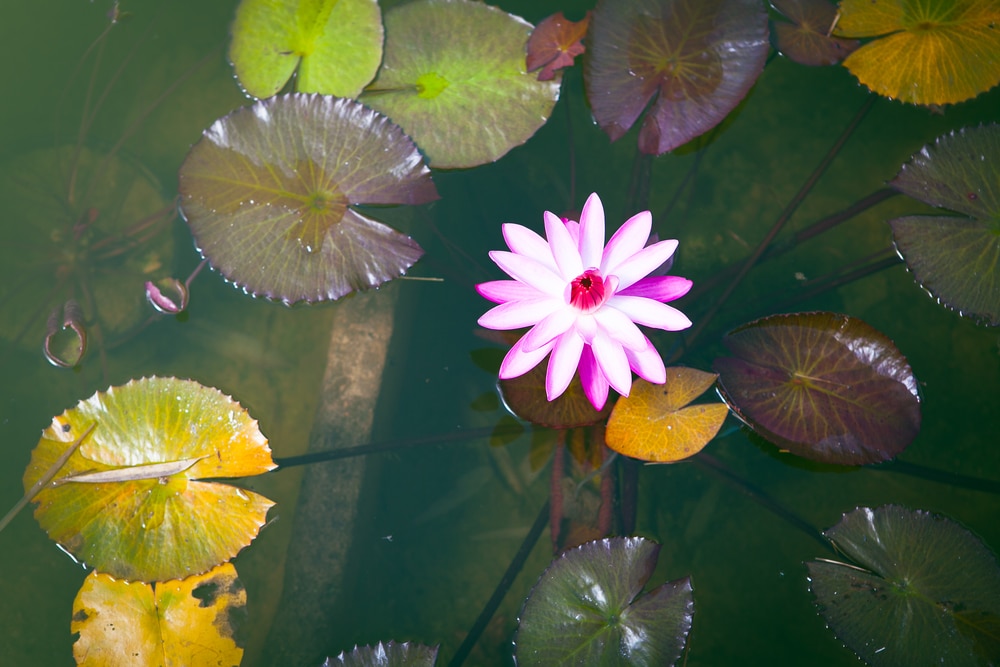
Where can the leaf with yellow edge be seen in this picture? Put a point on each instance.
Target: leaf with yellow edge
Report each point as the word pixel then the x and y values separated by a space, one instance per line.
pixel 191 622
pixel 655 422
pixel 128 501
pixel 928 51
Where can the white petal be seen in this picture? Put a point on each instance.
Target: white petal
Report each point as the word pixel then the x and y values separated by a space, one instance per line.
pixel 524 241
pixel 650 313
pixel 517 314
pixel 614 364
pixel 617 326
pixel 643 262
pixel 518 362
pixel 554 324
pixel 627 241
pixel 565 252
pixel 562 364
pixel 647 364
pixel 595 385
pixel 530 272
pixel 502 291
pixel 592 232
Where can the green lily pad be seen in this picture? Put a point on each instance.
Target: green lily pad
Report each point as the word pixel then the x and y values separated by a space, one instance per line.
pixel 806 39
pixel 956 259
pixel 336 45
pixel 454 78
pixel 698 58
pixel 270 193
pixel 128 501
pixel 824 386
pixel 388 654
pixel 586 609
pixel 921 590
pixel 524 396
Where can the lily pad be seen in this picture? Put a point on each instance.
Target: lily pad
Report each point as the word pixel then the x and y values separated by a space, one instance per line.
pixel 824 386
pixel 555 43
pixel 128 502
pixel 586 609
pixel 698 58
pixel 524 396
pixel 454 78
pixel 270 193
pixel 807 39
pixel 956 259
pixel 336 45
pixel 927 52
pixel 194 621
pixel 656 423
pixel 921 590
pixel 388 654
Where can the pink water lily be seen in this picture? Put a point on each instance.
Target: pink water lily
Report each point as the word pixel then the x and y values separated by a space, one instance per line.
pixel 583 300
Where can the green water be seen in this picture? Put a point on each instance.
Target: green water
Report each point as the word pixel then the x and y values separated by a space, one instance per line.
pixel 441 525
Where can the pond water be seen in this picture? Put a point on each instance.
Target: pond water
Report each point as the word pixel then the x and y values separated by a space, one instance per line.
pixel 437 523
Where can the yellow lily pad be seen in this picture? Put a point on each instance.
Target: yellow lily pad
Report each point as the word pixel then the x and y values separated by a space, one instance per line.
pixel 128 502
pixel 186 623
pixel 928 52
pixel 656 423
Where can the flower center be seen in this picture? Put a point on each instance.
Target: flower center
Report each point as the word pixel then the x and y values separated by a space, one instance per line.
pixel 587 291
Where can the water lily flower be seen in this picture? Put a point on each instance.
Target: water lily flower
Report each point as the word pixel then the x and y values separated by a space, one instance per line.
pixel 583 300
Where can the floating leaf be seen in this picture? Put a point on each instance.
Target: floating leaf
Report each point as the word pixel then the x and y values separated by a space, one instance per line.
pixel 956 259
pixel 929 52
pixel 388 654
pixel 525 397
pixel 922 590
pixel 807 39
pixel 269 192
pixel 127 501
pixel 555 43
pixel 335 44
pixel 454 78
pixel 827 387
pixel 192 622
pixel 697 57
pixel 586 609
pixel 655 423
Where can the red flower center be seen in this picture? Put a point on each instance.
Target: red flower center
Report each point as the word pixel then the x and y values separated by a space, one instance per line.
pixel 587 291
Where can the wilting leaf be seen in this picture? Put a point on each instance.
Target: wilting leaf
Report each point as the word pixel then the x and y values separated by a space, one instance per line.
pixel 525 397
pixel 128 502
pixel 335 44
pixel 698 58
pixel 655 423
pixel 454 78
pixel 555 43
pixel 269 192
pixel 193 622
pixel 586 609
pixel 827 387
pixel 388 654
pixel 807 39
pixel 921 590
pixel 956 259
pixel 928 51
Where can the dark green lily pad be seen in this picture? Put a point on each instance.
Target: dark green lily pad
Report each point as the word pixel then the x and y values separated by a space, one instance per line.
pixel 586 609
pixel 956 259
pixel 454 78
pixel 698 58
pixel 807 39
pixel 269 192
pixel 824 386
pixel 336 45
pixel 388 654
pixel 921 590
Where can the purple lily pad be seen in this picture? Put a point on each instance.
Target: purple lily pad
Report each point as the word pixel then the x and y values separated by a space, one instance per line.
pixel 698 58
pixel 824 386
pixel 956 259
pixel 586 609
pixel 269 193
pixel 807 40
